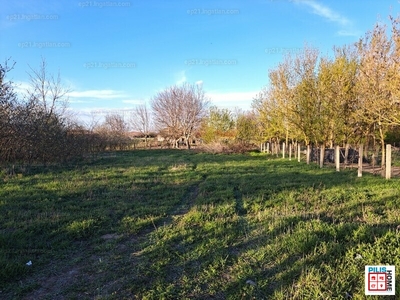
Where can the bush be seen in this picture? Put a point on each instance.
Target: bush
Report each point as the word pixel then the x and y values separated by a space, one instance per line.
pixel 227 148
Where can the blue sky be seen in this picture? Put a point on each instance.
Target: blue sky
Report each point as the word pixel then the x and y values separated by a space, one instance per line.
pixel 118 54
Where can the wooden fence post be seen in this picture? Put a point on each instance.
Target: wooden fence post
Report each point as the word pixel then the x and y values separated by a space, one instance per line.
pixel 360 161
pixel 337 158
pixel 388 161
pixel 298 152
pixel 308 154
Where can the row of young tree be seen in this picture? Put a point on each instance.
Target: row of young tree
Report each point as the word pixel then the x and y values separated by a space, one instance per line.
pixel 352 97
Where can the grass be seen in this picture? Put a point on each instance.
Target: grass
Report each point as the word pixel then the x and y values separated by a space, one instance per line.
pixel 167 224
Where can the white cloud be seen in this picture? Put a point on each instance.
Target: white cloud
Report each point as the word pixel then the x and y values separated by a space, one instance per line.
pixel 347 28
pixel 199 82
pixel 21 87
pixel 231 99
pixel 100 94
pixel 78 101
pixel 325 12
pixel 133 101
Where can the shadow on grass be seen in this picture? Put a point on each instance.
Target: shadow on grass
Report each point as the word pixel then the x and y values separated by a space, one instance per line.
pixel 335 237
pixel 178 206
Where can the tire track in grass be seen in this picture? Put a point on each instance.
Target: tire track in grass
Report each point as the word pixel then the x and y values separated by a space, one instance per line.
pixel 244 227
pixel 187 201
pixel 241 211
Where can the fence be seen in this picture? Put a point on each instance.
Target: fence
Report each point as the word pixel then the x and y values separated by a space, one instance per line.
pixel 365 159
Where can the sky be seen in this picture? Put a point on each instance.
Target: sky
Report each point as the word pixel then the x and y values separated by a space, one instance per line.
pixel 115 55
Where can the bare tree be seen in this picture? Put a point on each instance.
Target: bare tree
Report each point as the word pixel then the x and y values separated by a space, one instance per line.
pixel 8 104
pixel 113 132
pixel 115 123
pixel 179 110
pixel 140 120
pixel 47 91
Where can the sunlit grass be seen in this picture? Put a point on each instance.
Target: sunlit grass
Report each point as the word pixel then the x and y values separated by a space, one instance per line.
pixel 185 225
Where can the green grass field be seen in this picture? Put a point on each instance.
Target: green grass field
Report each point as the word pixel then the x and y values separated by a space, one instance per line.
pixel 167 224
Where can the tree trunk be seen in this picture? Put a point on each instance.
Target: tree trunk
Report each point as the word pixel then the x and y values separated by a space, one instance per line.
pixel 187 142
pixel 321 155
pixel 346 154
pixel 382 140
pixel 287 138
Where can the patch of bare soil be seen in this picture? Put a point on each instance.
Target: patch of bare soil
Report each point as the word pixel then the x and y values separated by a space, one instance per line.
pixel 55 284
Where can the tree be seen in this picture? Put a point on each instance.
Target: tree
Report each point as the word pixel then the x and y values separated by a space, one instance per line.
pixel 342 92
pixel 246 128
pixel 219 125
pixel 47 100
pixel 34 128
pixel 46 91
pixel 179 110
pixel 115 124
pixel 289 107
pixel 378 105
pixel 112 132
pixel 8 104
pixel 141 121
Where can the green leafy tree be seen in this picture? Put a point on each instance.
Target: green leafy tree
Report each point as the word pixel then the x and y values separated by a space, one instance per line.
pixel 218 126
pixel 246 128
